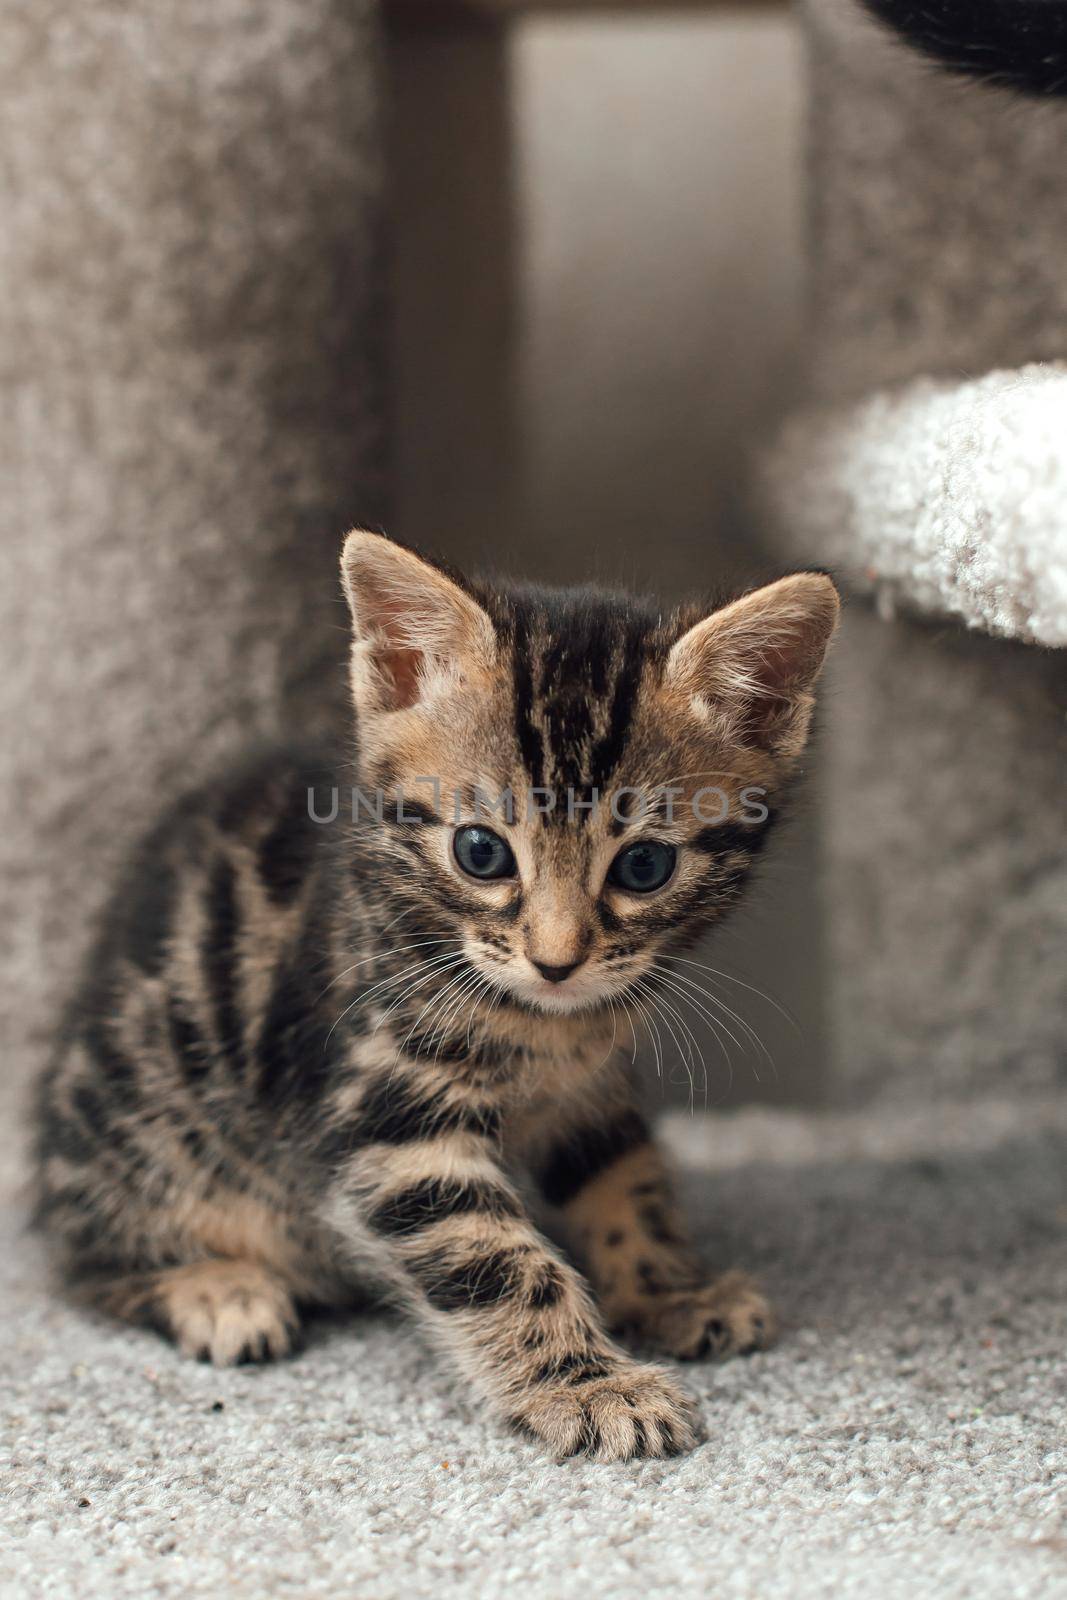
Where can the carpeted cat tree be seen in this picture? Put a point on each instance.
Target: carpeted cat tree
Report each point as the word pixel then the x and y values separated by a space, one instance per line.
pixel 189 392
pixel 930 468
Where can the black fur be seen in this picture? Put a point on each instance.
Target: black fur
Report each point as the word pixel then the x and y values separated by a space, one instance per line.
pixel 588 1152
pixel 596 648
pixel 426 1203
pixel 1016 44
pixel 477 1282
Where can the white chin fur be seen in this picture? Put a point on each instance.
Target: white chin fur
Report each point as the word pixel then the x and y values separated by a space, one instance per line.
pixel 582 993
pixel 559 999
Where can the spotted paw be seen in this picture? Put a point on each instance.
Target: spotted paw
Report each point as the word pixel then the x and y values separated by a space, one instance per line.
pixel 621 1411
pixel 724 1318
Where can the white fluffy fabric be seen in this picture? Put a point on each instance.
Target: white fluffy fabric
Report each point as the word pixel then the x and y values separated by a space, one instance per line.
pixel 949 497
pixel 906 1437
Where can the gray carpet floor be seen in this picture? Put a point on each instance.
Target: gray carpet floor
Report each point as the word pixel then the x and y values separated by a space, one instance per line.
pixel 906 1438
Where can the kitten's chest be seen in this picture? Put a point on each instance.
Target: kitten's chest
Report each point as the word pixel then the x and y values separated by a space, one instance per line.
pixel 523 1064
pixel 551 1072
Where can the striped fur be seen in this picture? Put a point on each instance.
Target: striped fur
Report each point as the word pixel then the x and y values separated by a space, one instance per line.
pixel 309 1057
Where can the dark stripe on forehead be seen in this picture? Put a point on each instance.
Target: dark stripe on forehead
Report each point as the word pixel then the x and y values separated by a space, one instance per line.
pixel 593 660
pixel 577 662
pixel 531 744
pixel 608 752
pixel 569 723
pixel 572 678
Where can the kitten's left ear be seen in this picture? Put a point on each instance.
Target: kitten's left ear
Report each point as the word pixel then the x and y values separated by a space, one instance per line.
pixel 752 666
pixel 412 626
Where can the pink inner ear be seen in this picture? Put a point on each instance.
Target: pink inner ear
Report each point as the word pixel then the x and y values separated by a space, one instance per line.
pixel 401 669
pixel 410 622
pixel 775 677
pixel 757 659
pixel 785 664
pixel 397 660
pixel 781 673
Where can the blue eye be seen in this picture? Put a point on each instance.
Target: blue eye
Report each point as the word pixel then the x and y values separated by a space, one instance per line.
pixel 643 866
pixel 482 853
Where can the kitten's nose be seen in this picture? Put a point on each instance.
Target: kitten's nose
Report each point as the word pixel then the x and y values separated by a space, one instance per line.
pixel 555 974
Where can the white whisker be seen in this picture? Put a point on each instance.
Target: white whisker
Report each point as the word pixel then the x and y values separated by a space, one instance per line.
pixel 643 1014
pixel 432 1005
pixel 729 977
pixel 680 978
pixel 438 971
pixel 384 955
pixel 661 1010
pixel 466 989
pixel 674 979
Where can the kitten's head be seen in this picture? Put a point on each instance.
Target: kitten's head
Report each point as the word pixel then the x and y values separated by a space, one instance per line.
pixel 590 782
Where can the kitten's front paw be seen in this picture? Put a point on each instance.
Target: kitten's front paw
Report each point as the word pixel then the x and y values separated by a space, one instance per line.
pixel 724 1318
pixel 622 1411
pixel 227 1312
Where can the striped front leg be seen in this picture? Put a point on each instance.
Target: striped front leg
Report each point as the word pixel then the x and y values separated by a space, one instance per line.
pixel 421 1184
pixel 609 1179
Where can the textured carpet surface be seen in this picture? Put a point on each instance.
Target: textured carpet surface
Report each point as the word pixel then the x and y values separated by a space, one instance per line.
pixel 906 1438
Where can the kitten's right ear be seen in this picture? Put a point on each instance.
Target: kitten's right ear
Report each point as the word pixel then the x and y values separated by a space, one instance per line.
pixel 413 629
pixel 752 665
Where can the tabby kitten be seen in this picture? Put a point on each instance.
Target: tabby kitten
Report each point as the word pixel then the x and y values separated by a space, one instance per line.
pixel 310 1056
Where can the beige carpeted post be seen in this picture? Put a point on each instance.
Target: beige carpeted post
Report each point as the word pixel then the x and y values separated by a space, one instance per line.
pixel 190 413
